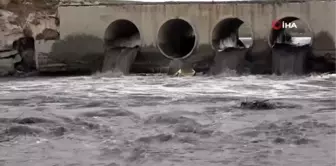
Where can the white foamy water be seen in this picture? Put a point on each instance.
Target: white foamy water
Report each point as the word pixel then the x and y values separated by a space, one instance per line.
pixel 227 42
pixel 235 86
pixel 159 121
pixel 301 41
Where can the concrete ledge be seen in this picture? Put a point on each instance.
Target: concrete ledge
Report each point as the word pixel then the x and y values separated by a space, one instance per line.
pixel 112 3
pixel 7 53
pixel 96 20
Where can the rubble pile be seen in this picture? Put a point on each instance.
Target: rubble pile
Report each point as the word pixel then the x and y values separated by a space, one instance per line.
pixel 17 17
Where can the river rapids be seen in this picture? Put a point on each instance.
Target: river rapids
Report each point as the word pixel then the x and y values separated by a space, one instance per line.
pixel 158 120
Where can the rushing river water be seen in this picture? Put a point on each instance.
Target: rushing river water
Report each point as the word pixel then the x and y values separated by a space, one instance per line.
pixel 163 121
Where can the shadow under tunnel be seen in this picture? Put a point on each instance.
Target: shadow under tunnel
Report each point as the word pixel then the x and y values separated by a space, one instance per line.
pixel 121 42
pixel 231 39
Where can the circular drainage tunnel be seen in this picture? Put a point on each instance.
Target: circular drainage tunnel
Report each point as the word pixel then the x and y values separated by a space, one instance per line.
pixel 176 39
pixel 122 33
pixel 229 33
pixel 290 31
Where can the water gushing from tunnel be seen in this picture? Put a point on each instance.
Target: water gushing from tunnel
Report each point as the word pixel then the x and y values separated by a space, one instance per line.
pixel 290 46
pixel 122 41
pixel 230 39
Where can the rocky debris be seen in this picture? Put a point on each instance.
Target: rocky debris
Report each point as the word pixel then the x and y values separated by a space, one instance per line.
pixel 48 34
pixel 181 68
pixel 20 24
pixel 43 23
pixel 19 60
pixel 182 73
pixel 4 3
pixel 156 138
pixel 257 105
pixel 32 120
pixel 186 69
pixel 9 29
pixel 38 16
pixel 265 105
pixel 8 61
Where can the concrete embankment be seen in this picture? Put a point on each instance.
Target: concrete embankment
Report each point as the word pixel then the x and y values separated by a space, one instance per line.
pixel 209 37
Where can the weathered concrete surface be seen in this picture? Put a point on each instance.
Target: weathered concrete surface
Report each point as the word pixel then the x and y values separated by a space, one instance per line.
pixel 93 20
pixel 229 60
pixel 7 62
pixel 320 15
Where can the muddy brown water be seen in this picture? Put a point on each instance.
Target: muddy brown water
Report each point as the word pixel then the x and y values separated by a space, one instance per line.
pixel 162 121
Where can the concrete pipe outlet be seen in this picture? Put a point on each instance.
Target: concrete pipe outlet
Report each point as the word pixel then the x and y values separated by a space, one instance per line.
pixel 122 34
pixel 290 31
pixel 122 41
pixel 228 33
pixel 290 40
pixel 176 39
pixel 230 39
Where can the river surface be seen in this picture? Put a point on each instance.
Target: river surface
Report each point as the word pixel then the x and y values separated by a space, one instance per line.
pixel 158 120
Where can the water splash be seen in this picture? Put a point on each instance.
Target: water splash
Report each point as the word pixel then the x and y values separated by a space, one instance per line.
pixel 230 59
pixel 229 42
pixel 119 60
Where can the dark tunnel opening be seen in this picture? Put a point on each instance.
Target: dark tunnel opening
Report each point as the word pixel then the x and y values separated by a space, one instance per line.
pixel 122 33
pixel 176 39
pixel 122 41
pixel 226 34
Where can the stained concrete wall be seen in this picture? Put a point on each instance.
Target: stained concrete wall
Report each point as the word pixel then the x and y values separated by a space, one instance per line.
pixel 320 15
pixel 93 20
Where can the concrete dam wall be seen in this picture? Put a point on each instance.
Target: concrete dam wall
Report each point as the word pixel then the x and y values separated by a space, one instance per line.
pixel 241 34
